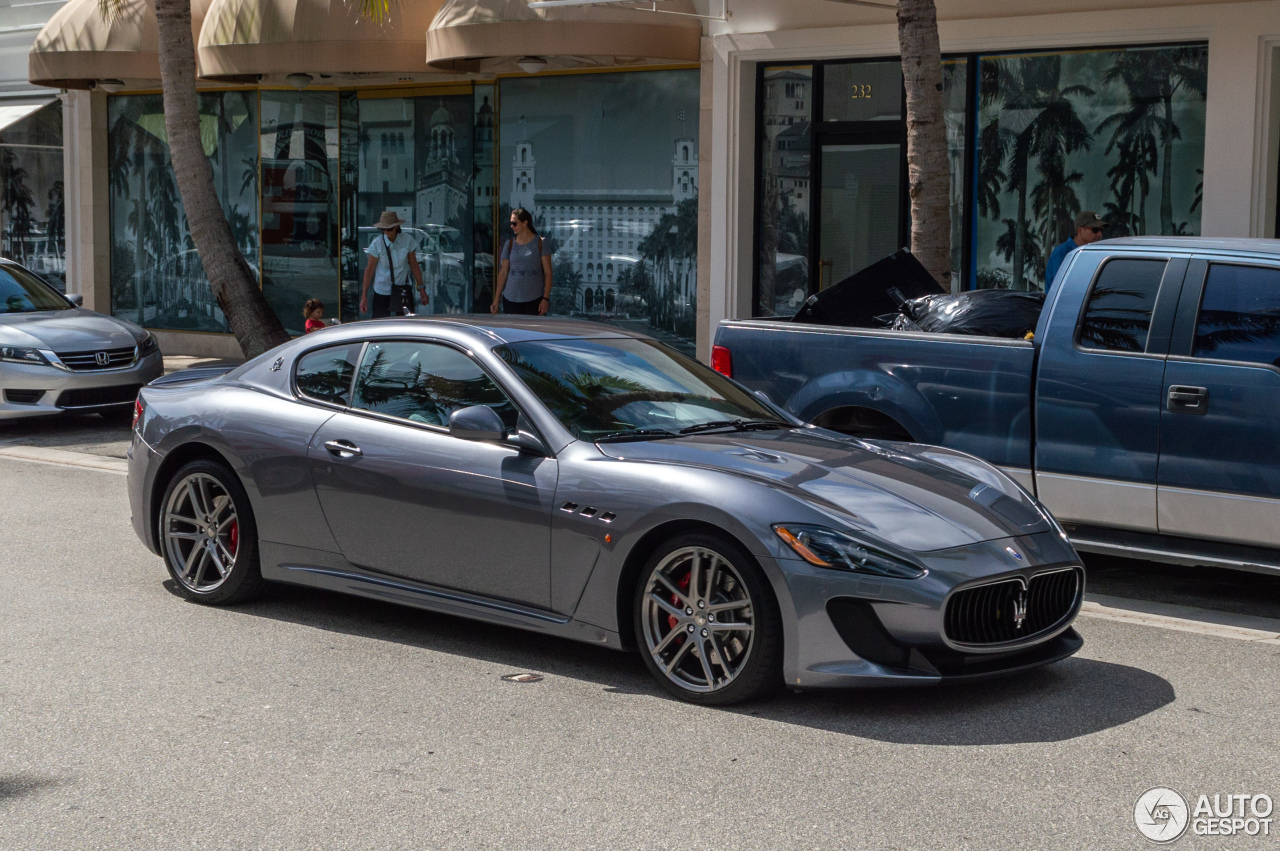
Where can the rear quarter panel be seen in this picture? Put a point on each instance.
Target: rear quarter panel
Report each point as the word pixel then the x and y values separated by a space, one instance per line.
pixel 968 393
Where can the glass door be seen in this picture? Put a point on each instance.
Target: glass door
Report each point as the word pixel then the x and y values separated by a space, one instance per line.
pixel 860 207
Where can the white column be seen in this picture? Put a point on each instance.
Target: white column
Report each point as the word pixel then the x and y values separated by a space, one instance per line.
pixel 84 122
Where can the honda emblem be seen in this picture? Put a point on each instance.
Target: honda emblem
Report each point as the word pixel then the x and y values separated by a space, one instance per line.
pixel 102 358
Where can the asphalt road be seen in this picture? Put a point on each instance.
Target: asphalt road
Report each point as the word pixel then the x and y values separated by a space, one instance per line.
pixel 130 719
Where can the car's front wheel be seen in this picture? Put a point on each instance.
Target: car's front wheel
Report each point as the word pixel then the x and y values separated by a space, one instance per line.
pixel 208 536
pixel 707 622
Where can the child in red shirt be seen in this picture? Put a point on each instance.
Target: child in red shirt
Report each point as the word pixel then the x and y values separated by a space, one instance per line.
pixel 313 312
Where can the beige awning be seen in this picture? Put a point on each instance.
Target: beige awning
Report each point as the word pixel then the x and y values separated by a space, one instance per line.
pixel 79 46
pixel 492 36
pixel 280 37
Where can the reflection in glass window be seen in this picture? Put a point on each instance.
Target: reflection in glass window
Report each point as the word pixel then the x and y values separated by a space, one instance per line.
pixel 1119 132
pixel 299 147
pixel 423 173
pixel 349 151
pixel 1240 315
pixel 484 197
pixel 599 387
pixel 608 166
pixel 326 374
pixel 785 185
pixel 1119 312
pixel 426 383
pixel 157 279
pixel 33 215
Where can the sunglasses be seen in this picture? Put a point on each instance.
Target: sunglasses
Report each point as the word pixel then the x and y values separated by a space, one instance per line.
pixel 1096 230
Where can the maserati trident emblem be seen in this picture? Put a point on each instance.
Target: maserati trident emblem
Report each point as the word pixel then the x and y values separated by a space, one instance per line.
pixel 102 358
pixel 1019 609
pixel 1011 551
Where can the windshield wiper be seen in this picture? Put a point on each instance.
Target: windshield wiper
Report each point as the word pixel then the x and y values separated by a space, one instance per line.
pixel 736 425
pixel 636 434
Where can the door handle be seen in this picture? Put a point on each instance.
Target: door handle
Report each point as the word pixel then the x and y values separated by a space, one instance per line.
pixel 1188 400
pixel 343 448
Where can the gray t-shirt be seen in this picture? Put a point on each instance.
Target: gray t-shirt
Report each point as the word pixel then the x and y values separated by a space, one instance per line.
pixel 525 280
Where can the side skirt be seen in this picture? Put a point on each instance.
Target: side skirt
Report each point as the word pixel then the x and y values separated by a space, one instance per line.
pixel 331 572
pixel 1172 550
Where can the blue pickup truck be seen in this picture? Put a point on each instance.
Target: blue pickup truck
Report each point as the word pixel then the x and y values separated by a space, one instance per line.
pixel 1145 413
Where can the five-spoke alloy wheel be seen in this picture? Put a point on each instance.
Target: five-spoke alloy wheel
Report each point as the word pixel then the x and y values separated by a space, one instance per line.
pixel 706 621
pixel 207 535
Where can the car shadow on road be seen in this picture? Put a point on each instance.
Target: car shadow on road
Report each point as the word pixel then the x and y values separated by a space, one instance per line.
pixel 13 786
pixel 1073 698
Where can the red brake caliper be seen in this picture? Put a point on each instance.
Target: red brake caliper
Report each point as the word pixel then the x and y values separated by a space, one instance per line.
pixel 684 586
pixel 234 533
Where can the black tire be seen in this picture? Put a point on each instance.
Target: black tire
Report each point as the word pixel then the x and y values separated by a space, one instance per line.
pixel 751 667
pixel 243 580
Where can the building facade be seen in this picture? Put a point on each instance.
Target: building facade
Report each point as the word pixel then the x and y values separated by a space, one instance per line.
pixel 760 162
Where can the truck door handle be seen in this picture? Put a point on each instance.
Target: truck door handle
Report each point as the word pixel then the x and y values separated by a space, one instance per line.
pixel 343 448
pixel 1188 400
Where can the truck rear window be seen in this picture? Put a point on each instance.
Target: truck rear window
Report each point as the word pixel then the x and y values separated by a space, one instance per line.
pixel 1118 316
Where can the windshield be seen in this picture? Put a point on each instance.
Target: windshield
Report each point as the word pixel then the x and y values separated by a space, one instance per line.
pixel 611 388
pixel 23 292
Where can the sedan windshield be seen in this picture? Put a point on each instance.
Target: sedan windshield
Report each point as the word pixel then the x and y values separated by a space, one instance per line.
pixel 632 389
pixel 23 292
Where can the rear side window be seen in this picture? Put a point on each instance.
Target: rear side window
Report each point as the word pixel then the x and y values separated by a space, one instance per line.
pixel 1240 315
pixel 325 374
pixel 425 383
pixel 1118 316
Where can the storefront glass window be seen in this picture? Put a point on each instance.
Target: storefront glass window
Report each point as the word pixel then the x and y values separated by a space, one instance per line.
pixel 300 184
pixel 785 186
pixel 349 153
pixel 33 217
pixel 608 166
pixel 415 160
pixel 1119 132
pixel 862 91
pixel 485 196
pixel 157 279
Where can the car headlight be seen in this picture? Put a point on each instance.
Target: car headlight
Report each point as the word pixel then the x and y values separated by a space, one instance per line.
pixel 147 344
pixel 828 548
pixel 13 354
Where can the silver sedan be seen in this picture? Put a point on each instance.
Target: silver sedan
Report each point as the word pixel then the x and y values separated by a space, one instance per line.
pixel 56 356
pixel 591 483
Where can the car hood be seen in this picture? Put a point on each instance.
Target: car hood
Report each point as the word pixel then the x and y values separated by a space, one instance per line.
pixel 921 498
pixel 75 330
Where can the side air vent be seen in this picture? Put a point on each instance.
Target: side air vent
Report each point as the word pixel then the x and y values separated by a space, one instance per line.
pixel 569 507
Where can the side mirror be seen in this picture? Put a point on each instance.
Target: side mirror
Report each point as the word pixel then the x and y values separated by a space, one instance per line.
pixel 479 422
pixel 525 439
pixel 76 298
pixel 763 397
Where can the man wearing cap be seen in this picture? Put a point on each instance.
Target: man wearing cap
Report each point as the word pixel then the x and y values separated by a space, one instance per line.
pixel 1088 229
pixel 391 259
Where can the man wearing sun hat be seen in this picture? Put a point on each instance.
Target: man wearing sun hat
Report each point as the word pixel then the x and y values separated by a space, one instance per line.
pixel 392 257
pixel 1089 227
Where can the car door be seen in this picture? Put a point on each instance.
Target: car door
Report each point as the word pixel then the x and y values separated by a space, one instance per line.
pixel 1098 389
pixel 403 497
pixel 1220 427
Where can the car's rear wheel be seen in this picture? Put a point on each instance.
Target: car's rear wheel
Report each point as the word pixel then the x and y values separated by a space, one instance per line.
pixel 208 536
pixel 707 622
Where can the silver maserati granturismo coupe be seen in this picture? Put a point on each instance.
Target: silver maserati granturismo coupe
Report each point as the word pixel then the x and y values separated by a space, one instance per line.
pixel 591 483
pixel 57 357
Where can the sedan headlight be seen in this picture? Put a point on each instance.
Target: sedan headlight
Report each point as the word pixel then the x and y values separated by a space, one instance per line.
pixel 14 354
pixel 147 344
pixel 828 548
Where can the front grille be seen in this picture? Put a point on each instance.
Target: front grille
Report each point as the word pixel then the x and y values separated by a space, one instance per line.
pixel 90 397
pixel 90 362
pixel 23 397
pixel 989 614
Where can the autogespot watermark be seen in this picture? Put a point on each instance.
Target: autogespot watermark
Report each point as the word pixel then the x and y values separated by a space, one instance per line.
pixel 1163 815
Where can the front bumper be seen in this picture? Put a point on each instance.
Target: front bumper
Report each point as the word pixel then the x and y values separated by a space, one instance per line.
pixel 859 631
pixel 29 390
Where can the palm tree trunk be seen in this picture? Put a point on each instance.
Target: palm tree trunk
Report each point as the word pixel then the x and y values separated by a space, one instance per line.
pixel 928 166
pixel 256 327
pixel 1166 173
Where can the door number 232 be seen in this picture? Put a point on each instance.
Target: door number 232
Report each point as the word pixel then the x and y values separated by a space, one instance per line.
pixel 861 91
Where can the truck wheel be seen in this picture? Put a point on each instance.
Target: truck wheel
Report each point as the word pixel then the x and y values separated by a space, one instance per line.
pixel 707 621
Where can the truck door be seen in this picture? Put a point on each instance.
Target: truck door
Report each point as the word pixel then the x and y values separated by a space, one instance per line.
pixel 1220 427
pixel 1099 385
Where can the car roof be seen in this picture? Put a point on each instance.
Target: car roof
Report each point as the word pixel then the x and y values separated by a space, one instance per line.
pixel 1192 243
pixel 505 329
